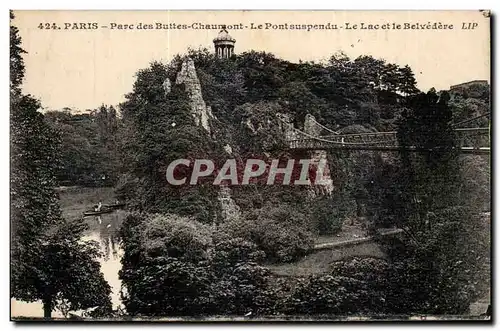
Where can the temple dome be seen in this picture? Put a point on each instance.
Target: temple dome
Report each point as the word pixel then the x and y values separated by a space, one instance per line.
pixel 224 36
pixel 224 44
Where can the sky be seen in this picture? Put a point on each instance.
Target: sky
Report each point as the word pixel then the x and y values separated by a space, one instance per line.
pixel 84 68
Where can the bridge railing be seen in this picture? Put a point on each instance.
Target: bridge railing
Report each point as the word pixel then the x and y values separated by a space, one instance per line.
pixel 375 138
pixel 468 138
pixel 473 137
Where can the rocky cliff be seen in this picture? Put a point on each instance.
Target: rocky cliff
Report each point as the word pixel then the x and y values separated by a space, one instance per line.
pixel 202 115
pixel 200 111
pixel 229 208
pixel 319 156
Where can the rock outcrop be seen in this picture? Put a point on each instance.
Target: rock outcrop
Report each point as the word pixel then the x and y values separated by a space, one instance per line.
pixel 319 157
pixel 286 126
pixel 229 208
pixel 200 111
pixel 202 115
pixel 311 126
pixel 167 86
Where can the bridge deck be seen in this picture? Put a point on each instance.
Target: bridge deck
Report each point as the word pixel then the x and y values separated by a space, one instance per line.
pixel 463 150
pixel 470 141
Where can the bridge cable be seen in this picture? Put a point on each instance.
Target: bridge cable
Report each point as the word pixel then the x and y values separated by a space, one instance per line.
pixel 470 120
pixel 321 125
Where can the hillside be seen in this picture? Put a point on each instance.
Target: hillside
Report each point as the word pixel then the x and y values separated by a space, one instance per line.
pixel 201 106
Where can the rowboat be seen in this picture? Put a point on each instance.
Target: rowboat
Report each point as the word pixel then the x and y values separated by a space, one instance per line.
pixel 105 209
pixel 100 212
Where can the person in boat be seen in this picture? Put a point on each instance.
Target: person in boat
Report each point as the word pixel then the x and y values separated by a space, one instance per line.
pixel 98 207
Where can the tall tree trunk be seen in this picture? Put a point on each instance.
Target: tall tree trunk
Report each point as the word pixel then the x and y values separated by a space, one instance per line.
pixel 47 307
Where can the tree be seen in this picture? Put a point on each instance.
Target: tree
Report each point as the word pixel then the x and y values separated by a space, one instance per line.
pixel 106 144
pixel 16 57
pixel 48 261
pixel 281 232
pixel 259 128
pixel 435 261
pixel 434 170
pixel 67 273
pixel 176 266
pixel 82 160
pixel 328 215
pixel 298 100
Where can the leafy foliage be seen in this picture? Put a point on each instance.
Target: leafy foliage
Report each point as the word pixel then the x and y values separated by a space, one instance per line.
pixel 88 145
pixel 433 267
pixel 171 266
pixel 163 266
pixel 328 215
pixel 352 287
pixel 68 271
pixel 158 128
pixel 241 285
pixel 175 264
pixel 17 69
pixel 281 232
pixel 222 275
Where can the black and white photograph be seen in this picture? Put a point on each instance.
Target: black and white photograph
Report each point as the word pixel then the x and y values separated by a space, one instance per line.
pixel 250 166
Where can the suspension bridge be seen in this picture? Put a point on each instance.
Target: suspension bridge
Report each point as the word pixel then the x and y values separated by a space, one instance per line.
pixel 474 140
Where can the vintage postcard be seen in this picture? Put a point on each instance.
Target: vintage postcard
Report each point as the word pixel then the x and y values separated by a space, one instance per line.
pixel 250 165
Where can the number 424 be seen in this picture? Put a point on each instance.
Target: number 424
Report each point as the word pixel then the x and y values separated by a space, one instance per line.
pixel 48 26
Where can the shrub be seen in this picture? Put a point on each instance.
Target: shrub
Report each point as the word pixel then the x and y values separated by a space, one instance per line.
pixel 177 266
pixel 444 273
pixel 169 287
pixel 352 287
pixel 327 217
pixel 229 252
pixel 165 268
pixel 240 284
pixel 176 237
pixel 282 233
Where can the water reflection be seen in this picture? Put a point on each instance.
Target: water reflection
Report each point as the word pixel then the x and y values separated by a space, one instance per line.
pixel 105 230
pixel 107 227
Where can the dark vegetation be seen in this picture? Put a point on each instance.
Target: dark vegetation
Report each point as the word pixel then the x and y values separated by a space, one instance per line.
pixel 181 258
pixel 429 270
pixel 49 262
pixel 89 155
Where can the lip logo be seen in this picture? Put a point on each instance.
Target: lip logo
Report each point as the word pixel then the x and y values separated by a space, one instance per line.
pixel 292 172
